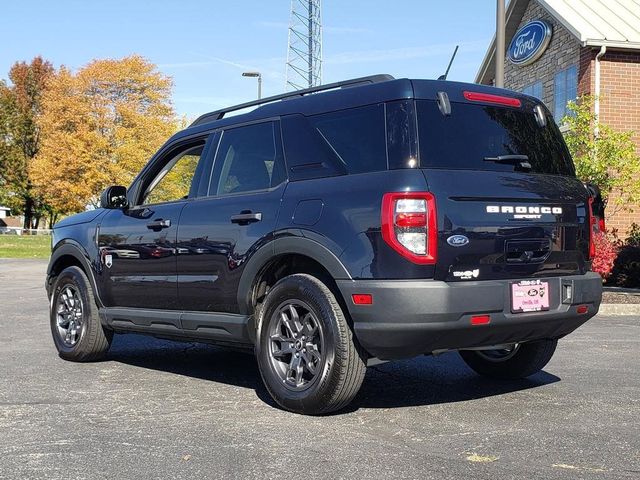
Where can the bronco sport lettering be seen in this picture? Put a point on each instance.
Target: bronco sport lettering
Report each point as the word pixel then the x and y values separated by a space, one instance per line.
pixel 523 209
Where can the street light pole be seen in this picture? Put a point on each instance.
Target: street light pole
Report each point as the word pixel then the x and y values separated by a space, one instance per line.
pixel 259 86
pixel 500 44
pixel 257 75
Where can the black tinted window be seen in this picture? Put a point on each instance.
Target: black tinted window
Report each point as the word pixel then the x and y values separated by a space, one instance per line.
pixel 247 160
pixel 472 133
pixel 308 155
pixel 402 144
pixel 356 137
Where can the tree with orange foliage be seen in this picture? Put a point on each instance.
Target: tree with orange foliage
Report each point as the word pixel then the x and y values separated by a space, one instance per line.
pixel 20 109
pixel 99 127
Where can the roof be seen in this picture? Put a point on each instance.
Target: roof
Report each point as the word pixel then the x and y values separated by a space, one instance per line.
pixel 338 99
pixel 219 114
pixel 14 222
pixel 315 103
pixel 614 23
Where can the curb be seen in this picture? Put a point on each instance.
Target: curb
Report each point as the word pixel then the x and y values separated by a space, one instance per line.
pixel 622 291
pixel 619 309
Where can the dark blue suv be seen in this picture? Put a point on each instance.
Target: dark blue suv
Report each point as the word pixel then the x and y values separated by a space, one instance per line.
pixel 335 227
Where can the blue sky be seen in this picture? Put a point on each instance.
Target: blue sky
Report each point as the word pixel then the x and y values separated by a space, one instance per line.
pixel 206 44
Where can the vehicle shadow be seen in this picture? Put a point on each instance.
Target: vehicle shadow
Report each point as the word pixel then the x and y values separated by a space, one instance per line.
pixel 416 382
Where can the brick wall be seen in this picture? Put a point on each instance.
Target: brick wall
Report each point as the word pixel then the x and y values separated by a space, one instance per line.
pixel 586 71
pixel 619 93
pixel 620 108
pixel 563 51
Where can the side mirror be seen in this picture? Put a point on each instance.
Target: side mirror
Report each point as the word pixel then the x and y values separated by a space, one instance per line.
pixel 114 197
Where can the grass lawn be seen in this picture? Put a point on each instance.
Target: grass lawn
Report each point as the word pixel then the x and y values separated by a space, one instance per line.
pixel 25 246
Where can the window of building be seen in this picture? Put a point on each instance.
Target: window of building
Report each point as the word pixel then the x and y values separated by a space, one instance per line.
pixel 565 90
pixel 247 160
pixel 535 90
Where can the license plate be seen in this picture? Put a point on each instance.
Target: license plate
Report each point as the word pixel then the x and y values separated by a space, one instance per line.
pixel 529 296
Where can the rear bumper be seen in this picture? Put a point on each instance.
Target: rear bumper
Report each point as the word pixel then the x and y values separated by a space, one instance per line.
pixel 411 317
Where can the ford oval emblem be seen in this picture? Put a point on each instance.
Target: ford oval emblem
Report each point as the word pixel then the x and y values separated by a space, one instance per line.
pixel 529 43
pixel 457 240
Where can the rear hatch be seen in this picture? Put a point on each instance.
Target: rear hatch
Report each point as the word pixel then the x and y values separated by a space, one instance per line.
pixel 508 202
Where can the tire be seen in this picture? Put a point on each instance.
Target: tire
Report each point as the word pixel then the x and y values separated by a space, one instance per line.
pixel 333 367
pixel 86 340
pixel 527 359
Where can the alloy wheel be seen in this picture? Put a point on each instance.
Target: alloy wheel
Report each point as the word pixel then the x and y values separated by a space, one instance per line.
pixel 69 315
pixel 296 344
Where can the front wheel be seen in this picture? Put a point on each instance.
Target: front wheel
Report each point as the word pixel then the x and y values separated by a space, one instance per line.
pixel 518 361
pixel 308 358
pixel 75 324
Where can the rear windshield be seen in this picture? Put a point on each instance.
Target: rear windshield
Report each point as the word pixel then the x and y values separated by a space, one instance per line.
pixel 473 135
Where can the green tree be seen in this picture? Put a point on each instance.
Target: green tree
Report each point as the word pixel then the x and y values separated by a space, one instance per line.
pixel 603 156
pixel 20 109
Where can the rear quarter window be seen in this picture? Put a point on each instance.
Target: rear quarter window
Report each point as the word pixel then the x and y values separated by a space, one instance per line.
pixel 356 137
pixel 472 133
pixel 343 142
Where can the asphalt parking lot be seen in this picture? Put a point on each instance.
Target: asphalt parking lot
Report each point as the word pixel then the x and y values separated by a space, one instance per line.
pixel 158 409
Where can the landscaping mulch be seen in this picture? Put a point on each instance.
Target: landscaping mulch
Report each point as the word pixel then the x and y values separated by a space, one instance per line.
pixel 626 298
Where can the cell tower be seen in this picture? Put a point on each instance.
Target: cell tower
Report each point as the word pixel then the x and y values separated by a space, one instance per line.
pixel 304 56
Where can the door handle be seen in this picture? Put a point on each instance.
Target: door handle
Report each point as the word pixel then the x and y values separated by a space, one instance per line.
pixel 245 218
pixel 158 224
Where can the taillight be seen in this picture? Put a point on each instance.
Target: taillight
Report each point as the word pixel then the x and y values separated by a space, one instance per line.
pixel 409 225
pixel 490 98
pixel 592 228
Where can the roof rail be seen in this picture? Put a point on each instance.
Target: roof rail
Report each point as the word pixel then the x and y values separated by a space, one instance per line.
pixel 218 114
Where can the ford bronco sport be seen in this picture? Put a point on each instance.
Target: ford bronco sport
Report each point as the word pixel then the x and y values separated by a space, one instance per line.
pixel 339 226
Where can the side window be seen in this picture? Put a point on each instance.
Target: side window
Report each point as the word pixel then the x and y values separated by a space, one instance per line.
pixel 248 159
pixel 357 137
pixel 173 181
pixel 565 85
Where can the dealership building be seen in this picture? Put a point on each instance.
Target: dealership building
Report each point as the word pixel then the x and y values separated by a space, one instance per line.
pixel 558 50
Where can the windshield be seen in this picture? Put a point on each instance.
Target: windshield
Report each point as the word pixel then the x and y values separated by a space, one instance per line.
pixel 474 136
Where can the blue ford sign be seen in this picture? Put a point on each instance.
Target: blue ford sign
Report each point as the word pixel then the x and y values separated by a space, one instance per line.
pixel 529 43
pixel 457 240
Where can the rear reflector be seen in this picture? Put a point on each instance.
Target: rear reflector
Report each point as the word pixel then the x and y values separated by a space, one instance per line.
pixel 480 319
pixel 362 298
pixel 582 309
pixel 489 98
pixel 411 220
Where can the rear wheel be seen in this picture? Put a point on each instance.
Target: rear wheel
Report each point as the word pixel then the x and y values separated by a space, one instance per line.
pixel 306 352
pixel 518 361
pixel 75 324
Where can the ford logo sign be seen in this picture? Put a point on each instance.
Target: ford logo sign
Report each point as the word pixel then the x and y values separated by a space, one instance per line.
pixel 529 43
pixel 457 240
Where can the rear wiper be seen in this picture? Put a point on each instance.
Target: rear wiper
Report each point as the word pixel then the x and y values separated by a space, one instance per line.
pixel 521 161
